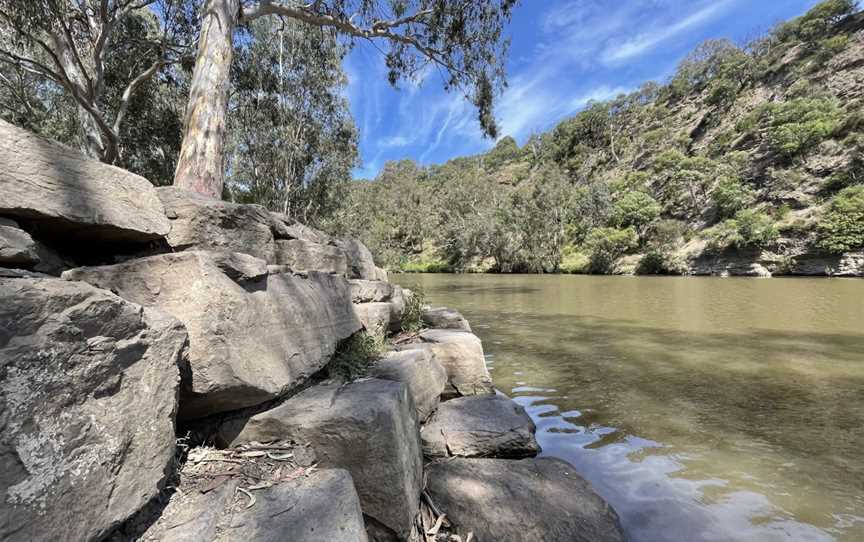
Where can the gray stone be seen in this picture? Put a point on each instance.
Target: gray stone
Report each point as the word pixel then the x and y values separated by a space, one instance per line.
pixel 319 507
pixel 69 194
pixel 375 317
pixel 530 499
pixel 360 262
pixel 303 256
pixel 370 291
pixel 88 395
pixel 397 308
pixel 479 426
pixel 16 245
pixel 444 318
pixel 420 371
pixel 461 354
pixel 253 336
pixel 201 223
pixel 285 227
pixel 368 427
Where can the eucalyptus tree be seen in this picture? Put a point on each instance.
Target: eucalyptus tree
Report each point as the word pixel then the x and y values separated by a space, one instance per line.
pixel 85 49
pixel 462 38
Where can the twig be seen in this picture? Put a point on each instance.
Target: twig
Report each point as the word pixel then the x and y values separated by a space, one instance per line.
pixel 248 494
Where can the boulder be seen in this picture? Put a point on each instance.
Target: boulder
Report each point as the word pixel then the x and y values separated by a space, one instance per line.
pixel 17 248
pixel 253 335
pixel 370 291
pixel 397 308
pixel 444 318
pixel 375 317
pixel 529 499
pixel 321 506
pixel 419 371
pixel 201 223
pixel 61 191
pixel 360 262
pixel 461 354
pixel 479 426
pixel 285 227
pixel 88 395
pixel 303 256
pixel 368 427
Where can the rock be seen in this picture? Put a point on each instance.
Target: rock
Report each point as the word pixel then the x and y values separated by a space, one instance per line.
pixel 530 499
pixel 444 318
pixel 397 308
pixel 370 291
pixel 360 262
pixel 479 426
pixel 419 371
pixel 375 317
pixel 318 507
pixel 285 227
pixel 201 223
pixel 302 256
pixel 461 354
pixel 368 427
pixel 850 264
pixel 88 395
pixel 63 192
pixel 16 245
pixel 253 336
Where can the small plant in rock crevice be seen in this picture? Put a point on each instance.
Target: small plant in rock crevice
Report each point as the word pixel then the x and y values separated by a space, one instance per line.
pixel 412 316
pixel 355 354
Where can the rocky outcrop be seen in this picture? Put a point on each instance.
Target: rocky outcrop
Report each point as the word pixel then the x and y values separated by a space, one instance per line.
pixel 63 193
pixel 461 355
pixel 444 318
pixel 368 427
pixel 304 256
pixel 17 248
pixel 375 317
pixel 254 335
pixel 370 291
pixel 88 392
pixel 530 499
pixel 479 426
pixel 419 371
pixel 360 262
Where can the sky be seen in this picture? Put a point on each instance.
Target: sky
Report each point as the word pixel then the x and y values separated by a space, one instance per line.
pixel 564 53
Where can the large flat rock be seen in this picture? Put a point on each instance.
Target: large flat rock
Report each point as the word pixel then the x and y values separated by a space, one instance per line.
pixel 88 395
pixel 370 291
pixel 419 371
pixel 368 427
pixel 530 499
pixel 461 355
pixel 375 317
pixel 68 194
pixel 304 256
pixel 479 426
pixel 253 335
pixel 444 318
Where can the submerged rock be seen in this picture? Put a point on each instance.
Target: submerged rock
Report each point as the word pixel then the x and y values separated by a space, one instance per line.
pixel 479 426
pixel 444 318
pixel 419 371
pixel 253 335
pixel 529 499
pixel 70 195
pixel 88 395
pixel 368 427
pixel 461 355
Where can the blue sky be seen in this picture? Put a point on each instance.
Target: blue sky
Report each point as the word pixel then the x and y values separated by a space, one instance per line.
pixel 563 54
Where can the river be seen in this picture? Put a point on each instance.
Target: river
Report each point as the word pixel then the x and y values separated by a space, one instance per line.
pixel 701 409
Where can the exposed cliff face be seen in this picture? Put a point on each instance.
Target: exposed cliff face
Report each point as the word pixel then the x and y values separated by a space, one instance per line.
pixel 746 156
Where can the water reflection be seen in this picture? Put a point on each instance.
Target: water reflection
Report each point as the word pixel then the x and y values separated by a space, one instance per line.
pixel 701 409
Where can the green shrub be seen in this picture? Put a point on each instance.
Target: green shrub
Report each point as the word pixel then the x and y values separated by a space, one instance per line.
pixel 573 261
pixel 660 262
pixel 730 196
pixel 355 354
pixel 636 209
pixel 605 245
pixel 797 126
pixel 412 315
pixel 842 227
pixel 426 266
pixel 747 229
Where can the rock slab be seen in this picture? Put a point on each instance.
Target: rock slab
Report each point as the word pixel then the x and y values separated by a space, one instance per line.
pixel 368 427
pixel 530 499
pixel 419 371
pixel 444 318
pixel 461 355
pixel 253 335
pixel 480 426
pixel 88 395
pixel 64 191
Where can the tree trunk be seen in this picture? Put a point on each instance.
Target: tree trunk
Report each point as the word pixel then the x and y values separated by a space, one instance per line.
pixel 200 167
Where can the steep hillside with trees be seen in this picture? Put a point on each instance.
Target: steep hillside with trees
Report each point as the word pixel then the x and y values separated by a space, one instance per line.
pixel 748 161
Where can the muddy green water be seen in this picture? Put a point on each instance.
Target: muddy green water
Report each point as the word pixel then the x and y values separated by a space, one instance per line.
pixel 702 409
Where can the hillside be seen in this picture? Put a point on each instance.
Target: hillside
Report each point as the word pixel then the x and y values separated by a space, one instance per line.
pixel 747 161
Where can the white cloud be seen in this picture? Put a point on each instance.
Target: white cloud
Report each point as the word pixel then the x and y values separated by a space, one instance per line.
pixel 395 141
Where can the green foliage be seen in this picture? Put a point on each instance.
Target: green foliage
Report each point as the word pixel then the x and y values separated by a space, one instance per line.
pixel 842 227
pixel 573 261
pixel 797 126
pixel 506 150
pixel 606 245
pixel 636 209
pixel 355 354
pixel 749 228
pixel 426 266
pixel 817 23
pixel 412 316
pixel 730 196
